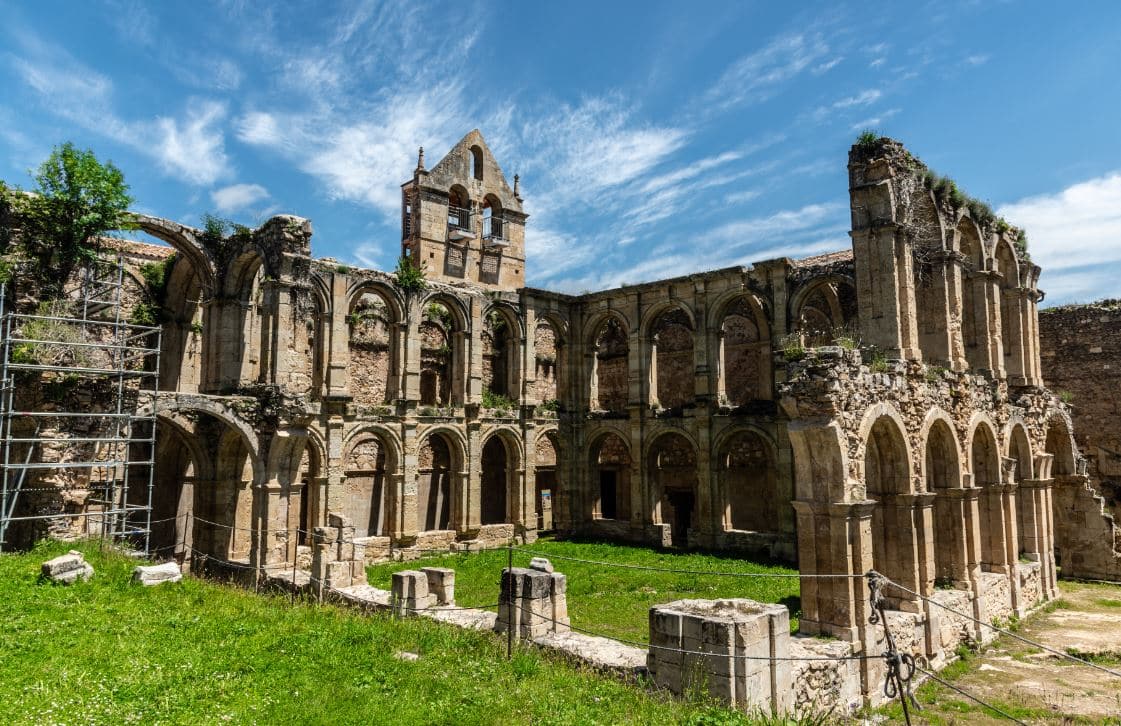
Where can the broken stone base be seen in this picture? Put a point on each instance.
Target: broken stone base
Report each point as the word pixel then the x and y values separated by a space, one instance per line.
pixel 67 569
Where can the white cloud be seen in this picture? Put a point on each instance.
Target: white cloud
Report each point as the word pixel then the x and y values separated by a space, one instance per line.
pixel 977 60
pixel 757 76
pixel 1073 228
pixel 190 145
pixel 785 223
pixel 237 197
pixel 193 148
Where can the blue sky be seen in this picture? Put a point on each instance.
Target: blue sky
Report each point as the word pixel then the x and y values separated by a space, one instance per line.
pixel 653 139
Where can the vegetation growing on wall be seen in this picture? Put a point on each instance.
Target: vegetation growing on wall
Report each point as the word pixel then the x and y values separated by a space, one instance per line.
pixel 946 191
pixel 410 277
pixel 76 199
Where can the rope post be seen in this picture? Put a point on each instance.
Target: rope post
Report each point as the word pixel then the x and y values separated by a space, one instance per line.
pixel 295 557
pixel 900 666
pixel 509 588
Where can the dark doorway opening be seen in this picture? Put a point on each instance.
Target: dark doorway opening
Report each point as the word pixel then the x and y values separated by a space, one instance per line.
pixel 607 495
pixel 682 504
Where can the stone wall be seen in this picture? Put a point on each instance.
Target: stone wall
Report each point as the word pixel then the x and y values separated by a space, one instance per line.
pixel 1081 352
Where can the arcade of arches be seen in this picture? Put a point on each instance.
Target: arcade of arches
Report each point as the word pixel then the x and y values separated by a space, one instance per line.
pixel 725 410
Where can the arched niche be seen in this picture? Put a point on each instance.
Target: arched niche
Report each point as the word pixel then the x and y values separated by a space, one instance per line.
pixel 671 468
pixel 611 366
pixel 499 475
pixel 183 343
pixel 546 361
pixel 744 354
pixel 748 480
pixel 438 467
pixel 311 507
pixel 942 472
pixel 374 357
pixel 887 474
pixel 367 466
pixel 1060 444
pixel 441 354
pixel 500 340
pixel 974 306
pixel 825 310
pixel 546 484
pixel 610 477
pixel 672 367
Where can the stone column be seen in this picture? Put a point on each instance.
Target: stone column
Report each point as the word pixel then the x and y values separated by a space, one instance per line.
pixel 335 332
pixel 885 289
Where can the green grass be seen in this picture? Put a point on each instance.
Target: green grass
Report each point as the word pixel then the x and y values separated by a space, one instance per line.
pixel 612 601
pixel 200 652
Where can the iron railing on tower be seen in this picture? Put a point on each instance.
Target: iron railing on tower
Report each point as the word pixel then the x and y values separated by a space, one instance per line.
pixel 79 460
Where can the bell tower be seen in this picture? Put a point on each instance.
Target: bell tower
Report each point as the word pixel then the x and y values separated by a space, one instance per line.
pixel 461 221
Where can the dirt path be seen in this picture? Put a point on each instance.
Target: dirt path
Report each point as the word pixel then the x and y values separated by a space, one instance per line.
pixel 1033 685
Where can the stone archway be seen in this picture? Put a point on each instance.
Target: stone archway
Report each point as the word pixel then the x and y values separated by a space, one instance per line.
pixel 671 467
pixel 748 481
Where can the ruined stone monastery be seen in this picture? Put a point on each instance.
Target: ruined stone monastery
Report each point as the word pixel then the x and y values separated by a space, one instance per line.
pixel 880 407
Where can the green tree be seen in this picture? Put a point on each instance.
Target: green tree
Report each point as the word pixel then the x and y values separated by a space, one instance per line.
pixel 76 199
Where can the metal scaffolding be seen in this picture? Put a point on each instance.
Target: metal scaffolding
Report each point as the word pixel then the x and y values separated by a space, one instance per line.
pixel 77 443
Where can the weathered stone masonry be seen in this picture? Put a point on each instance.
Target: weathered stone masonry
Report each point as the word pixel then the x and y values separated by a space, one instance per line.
pixel 880 408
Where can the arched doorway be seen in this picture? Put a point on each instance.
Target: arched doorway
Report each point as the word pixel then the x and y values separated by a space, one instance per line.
pixel 497 472
pixel 434 484
pixel 672 468
pixel 610 478
pixel 942 467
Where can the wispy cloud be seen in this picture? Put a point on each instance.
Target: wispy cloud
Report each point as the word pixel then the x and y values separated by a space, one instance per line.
pixel 858 100
pixel 1069 228
pixel 190 145
pixel 874 121
pixel 977 59
pixel 759 75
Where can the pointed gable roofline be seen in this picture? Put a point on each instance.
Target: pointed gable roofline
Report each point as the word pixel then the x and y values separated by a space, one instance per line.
pixel 456 168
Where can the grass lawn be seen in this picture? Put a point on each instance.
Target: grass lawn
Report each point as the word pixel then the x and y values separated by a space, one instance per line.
pixel 612 601
pixel 199 652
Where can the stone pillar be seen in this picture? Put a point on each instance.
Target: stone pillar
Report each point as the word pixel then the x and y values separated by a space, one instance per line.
pixel 729 645
pixel 410 352
pixel 993 333
pixel 410 593
pixel 1038 536
pixel 1017 304
pixel 405 519
pixel 533 603
pixel 885 289
pixel 335 333
pixel 834 539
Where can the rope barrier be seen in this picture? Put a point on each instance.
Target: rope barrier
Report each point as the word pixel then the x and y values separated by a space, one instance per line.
pixel 1009 633
pixel 970 696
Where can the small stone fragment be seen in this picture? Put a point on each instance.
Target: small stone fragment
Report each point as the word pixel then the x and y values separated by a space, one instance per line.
pixel 152 575
pixel 541 565
pixel 406 655
pixel 67 569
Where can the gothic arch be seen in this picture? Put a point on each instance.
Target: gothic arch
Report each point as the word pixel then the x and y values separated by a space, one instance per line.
pixel 610 462
pixel 822 306
pixel 670 342
pixel 500 458
pixel 746 468
pixel 185 241
pixel 742 348
pixel 609 363
pixel 671 470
